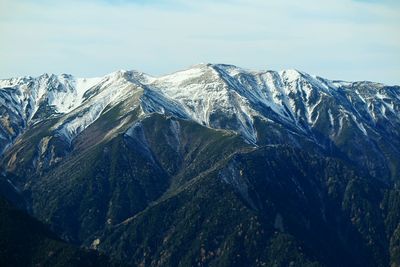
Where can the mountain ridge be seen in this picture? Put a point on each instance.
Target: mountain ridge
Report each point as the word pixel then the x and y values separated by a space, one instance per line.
pixel 66 83
pixel 218 96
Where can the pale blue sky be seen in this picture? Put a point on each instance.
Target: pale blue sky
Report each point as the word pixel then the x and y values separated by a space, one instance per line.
pixel 336 39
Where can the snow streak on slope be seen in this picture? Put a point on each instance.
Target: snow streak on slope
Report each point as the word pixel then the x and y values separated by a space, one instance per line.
pixel 110 91
pixel 63 93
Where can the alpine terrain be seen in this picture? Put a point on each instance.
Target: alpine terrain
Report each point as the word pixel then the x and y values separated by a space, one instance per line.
pixel 210 166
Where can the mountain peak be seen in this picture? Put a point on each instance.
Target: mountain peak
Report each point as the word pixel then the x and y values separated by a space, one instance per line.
pixel 291 74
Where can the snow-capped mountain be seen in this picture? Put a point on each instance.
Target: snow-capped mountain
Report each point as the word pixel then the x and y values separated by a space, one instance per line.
pixel 210 166
pixel 254 104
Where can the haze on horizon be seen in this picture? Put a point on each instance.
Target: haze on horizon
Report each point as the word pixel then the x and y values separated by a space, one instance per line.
pixel 342 39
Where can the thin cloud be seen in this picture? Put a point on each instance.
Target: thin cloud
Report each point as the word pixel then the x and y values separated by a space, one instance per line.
pixel 341 39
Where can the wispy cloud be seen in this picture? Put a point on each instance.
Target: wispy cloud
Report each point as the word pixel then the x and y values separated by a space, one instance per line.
pixel 342 39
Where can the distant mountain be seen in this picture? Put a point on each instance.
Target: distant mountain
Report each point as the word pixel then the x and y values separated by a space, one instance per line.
pixel 213 165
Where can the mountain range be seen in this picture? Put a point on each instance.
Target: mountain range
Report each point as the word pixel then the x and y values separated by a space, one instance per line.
pixel 210 166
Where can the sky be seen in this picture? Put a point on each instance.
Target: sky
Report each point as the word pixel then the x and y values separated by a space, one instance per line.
pixel 336 39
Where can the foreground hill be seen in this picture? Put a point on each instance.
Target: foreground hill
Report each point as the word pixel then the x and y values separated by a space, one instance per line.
pixel 27 242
